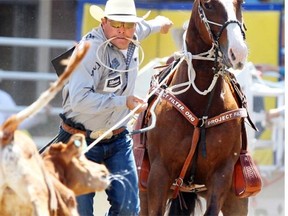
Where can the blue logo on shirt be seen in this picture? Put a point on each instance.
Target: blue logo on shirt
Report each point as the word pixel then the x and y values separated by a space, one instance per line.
pixel 115 63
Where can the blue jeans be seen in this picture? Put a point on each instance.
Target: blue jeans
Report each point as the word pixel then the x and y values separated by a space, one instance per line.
pixel 123 195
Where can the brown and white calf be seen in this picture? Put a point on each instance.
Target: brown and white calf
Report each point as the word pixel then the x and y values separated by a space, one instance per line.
pixel 35 185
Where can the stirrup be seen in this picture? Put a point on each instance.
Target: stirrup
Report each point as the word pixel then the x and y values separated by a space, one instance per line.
pixel 195 188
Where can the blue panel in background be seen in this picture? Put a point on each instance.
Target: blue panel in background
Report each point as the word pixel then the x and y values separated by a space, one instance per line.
pixel 177 5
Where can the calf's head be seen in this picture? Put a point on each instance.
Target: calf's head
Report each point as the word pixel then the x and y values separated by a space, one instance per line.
pixel 73 169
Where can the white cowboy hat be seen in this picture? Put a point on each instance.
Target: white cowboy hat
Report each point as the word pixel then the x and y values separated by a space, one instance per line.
pixel 118 10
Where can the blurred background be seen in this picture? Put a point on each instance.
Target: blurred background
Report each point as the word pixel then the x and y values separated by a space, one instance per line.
pixel 33 32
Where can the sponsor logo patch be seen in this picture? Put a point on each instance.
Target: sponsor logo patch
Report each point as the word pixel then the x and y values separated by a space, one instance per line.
pixel 113 84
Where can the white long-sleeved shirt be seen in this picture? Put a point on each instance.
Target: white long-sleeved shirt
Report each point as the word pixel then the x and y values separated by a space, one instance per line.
pixel 95 95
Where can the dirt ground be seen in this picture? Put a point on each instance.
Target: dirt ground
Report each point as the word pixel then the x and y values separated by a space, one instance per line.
pixel 269 202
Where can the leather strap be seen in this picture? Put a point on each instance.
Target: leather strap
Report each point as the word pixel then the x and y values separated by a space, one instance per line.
pixel 179 181
pixel 227 116
pixel 72 130
pixel 187 113
pixel 181 107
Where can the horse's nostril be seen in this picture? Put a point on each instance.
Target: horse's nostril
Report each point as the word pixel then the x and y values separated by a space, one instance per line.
pixel 239 66
pixel 233 57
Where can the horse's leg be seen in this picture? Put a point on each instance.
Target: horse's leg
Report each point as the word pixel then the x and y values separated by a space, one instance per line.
pixel 234 206
pixel 158 187
pixel 143 203
pixel 219 186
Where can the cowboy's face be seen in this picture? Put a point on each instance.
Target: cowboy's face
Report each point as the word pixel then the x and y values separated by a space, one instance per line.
pixel 120 30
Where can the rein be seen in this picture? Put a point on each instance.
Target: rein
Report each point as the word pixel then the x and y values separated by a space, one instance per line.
pixel 192 74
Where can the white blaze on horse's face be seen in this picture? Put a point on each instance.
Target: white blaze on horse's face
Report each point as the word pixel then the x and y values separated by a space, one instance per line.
pixel 237 49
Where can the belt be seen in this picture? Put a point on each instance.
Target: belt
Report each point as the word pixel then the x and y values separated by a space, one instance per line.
pixel 92 134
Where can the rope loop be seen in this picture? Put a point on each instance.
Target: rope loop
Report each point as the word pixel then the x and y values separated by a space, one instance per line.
pixel 105 44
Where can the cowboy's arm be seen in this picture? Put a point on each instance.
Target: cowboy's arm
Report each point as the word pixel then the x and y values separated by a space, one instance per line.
pixel 158 24
pixel 163 22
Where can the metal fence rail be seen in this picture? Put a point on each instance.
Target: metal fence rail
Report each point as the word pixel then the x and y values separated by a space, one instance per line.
pixel 27 75
pixel 32 75
pixel 36 42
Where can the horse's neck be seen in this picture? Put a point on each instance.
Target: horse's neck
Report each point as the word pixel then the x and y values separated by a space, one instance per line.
pixel 195 44
pixel 203 69
pixel 197 38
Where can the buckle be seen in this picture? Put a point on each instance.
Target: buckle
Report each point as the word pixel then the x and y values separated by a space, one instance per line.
pixel 96 134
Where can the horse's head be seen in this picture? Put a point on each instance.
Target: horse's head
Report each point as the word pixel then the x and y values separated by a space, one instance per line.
pixel 219 22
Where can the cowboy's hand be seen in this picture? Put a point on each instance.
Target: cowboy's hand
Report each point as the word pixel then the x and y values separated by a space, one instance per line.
pixel 133 101
pixel 166 24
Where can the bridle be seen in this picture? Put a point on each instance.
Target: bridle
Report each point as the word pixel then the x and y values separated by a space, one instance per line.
pixel 223 26
pixel 216 37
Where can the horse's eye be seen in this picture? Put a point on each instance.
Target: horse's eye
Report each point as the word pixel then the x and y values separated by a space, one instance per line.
pixel 207 6
pixel 241 2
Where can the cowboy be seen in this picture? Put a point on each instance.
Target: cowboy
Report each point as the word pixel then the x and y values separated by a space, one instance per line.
pixel 100 93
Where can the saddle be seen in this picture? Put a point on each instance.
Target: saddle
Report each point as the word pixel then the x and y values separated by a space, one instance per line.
pixel 140 154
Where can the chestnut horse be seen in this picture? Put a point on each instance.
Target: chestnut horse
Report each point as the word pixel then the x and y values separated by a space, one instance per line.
pixel 199 118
